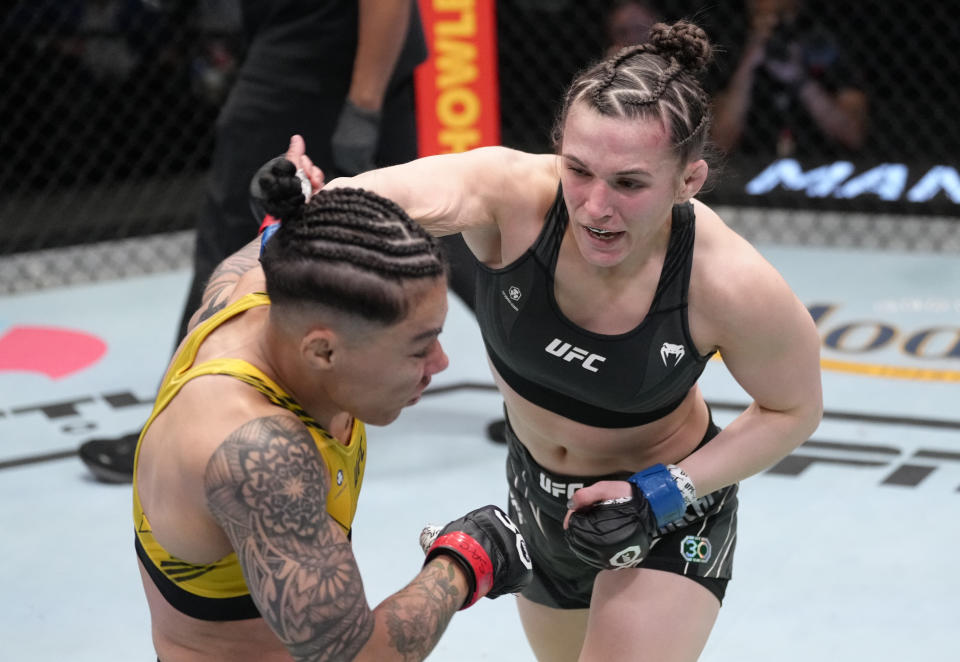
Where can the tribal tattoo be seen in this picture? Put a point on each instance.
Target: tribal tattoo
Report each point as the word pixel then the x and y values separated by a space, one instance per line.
pixel 419 614
pixel 224 277
pixel 267 487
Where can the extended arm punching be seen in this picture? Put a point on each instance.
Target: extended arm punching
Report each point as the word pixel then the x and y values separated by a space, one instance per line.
pixel 475 193
pixel 267 487
pixel 489 548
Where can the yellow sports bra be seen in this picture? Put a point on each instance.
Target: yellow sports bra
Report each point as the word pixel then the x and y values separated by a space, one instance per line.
pixel 217 591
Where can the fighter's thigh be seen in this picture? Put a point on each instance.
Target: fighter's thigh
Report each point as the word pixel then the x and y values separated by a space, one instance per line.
pixel 644 614
pixel 555 635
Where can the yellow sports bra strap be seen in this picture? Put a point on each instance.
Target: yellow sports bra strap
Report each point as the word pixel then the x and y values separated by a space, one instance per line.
pixel 206 327
pixel 250 374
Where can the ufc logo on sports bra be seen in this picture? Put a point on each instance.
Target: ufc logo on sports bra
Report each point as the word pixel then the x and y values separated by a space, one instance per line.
pixel 569 353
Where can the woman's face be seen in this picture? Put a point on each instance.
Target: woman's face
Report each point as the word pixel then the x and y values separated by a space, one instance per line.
pixel 620 181
pixel 378 373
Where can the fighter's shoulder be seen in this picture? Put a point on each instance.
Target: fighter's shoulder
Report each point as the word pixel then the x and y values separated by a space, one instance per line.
pixel 266 427
pixel 506 163
pixel 717 243
pixel 262 450
pixel 526 168
pixel 520 182
pixel 233 278
pixel 725 265
pixel 224 408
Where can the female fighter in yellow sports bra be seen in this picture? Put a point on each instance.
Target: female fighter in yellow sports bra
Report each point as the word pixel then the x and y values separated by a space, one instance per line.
pixel 243 506
pixel 217 591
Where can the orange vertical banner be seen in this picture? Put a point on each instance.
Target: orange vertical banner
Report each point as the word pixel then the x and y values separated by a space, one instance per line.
pixel 458 103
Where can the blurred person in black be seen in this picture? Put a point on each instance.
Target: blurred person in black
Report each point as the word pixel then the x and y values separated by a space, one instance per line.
pixel 341 74
pixel 628 22
pixel 75 75
pixel 793 91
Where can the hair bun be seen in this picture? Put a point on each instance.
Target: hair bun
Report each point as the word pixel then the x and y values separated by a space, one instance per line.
pixel 279 189
pixel 683 41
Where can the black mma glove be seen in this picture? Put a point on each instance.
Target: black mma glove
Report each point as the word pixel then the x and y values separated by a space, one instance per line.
pixel 619 533
pixel 354 140
pixel 612 534
pixel 489 548
pixel 278 189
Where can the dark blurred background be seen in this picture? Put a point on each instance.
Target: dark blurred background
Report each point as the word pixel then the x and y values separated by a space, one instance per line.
pixel 107 106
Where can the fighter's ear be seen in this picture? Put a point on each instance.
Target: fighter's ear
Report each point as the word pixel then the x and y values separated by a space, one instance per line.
pixel 319 348
pixel 694 175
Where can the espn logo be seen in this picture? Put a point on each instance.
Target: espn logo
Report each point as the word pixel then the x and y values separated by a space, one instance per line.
pixel 569 353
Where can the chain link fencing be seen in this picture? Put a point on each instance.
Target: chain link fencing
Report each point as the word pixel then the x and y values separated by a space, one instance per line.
pixel 107 112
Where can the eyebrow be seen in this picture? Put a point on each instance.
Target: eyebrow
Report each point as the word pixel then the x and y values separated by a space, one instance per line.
pixel 638 171
pixel 429 333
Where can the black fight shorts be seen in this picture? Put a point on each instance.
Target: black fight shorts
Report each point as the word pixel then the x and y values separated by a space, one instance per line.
pixel 701 548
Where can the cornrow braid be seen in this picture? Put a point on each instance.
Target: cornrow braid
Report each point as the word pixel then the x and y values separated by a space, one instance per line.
pixel 610 69
pixel 654 79
pixel 663 80
pixel 699 131
pixel 351 250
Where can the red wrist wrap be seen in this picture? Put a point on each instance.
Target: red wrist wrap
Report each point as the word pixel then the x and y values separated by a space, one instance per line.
pixel 473 553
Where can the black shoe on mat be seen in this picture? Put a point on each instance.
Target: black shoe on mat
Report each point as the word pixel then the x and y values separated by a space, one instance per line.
pixel 497 431
pixel 110 460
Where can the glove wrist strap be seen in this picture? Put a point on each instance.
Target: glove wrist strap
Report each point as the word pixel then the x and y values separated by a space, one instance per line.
pixel 687 489
pixel 658 486
pixel 267 229
pixel 474 559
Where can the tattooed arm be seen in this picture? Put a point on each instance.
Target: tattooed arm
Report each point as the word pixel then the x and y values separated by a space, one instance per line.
pixel 223 280
pixel 267 486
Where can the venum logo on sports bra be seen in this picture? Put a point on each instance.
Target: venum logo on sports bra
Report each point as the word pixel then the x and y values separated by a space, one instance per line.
pixel 674 352
pixel 569 353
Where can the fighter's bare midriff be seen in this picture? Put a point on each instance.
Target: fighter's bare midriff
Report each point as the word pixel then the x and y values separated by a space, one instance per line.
pixel 564 446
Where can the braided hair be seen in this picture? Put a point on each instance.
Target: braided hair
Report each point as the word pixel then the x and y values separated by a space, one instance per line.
pixel 351 250
pixel 656 79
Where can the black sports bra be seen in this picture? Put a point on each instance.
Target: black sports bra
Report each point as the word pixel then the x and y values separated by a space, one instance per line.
pixel 606 381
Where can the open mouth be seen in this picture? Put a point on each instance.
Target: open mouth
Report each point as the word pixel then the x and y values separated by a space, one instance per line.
pixel 602 235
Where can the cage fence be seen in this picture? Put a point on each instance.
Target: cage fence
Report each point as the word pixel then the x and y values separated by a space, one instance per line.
pixel 108 108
